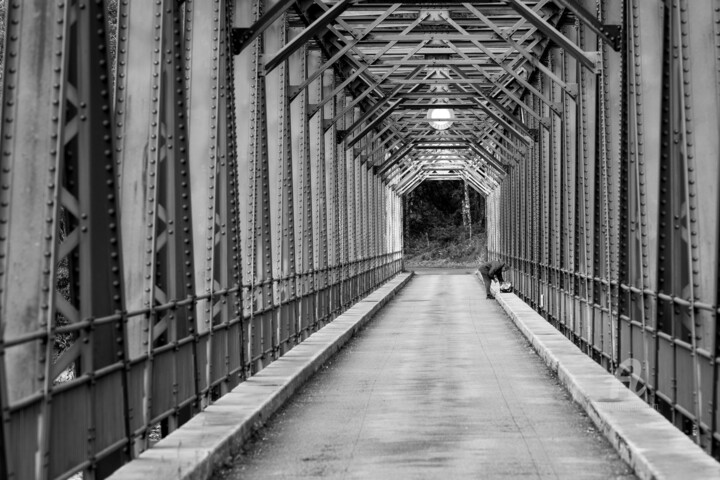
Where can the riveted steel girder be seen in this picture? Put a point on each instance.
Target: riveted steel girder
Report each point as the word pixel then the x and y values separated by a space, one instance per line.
pixel 570 47
pixel 59 220
pixel 241 187
pixel 611 34
pixel 243 37
pixel 313 29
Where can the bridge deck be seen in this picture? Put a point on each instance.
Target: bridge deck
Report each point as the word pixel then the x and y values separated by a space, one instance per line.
pixel 439 384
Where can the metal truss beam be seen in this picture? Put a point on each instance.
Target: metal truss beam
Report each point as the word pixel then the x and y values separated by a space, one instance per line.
pixel 522 51
pixel 500 86
pixel 207 219
pixel 242 37
pixel 59 217
pixel 373 87
pixel 372 61
pixel 396 157
pixel 313 29
pixel 411 184
pixel 341 53
pixel 485 155
pixel 531 16
pixel 524 131
pixel 493 58
pixel 610 34
pixel 375 107
pixel 370 126
pixel 483 184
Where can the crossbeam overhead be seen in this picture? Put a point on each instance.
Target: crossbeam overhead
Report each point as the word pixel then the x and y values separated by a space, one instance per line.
pixel 313 29
pixel 191 189
pixel 531 16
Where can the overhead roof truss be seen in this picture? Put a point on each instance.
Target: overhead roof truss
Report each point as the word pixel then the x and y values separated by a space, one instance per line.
pixel 399 60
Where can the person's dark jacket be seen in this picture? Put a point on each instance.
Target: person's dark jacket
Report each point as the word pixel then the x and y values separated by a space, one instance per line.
pixel 492 269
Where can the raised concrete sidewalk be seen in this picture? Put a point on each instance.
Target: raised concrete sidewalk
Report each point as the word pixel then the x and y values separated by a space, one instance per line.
pixel 204 442
pixel 645 440
pixel 439 385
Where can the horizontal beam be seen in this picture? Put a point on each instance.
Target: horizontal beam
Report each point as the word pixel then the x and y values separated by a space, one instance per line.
pixel 531 57
pixel 561 40
pixel 426 106
pixel 482 62
pixel 491 160
pixel 436 2
pixel 418 96
pixel 373 124
pixel 484 37
pixel 394 159
pixel 341 52
pixel 411 121
pixel 440 81
pixel 455 146
pixel 610 34
pixel 306 34
pixel 242 37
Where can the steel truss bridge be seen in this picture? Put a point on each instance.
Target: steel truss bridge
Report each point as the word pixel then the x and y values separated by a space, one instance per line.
pixel 188 188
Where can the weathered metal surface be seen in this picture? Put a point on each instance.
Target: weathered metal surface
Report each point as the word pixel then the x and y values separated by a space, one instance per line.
pixel 169 210
pixel 162 241
pixel 624 237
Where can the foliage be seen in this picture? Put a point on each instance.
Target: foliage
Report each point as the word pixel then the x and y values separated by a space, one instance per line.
pixel 434 230
pixel 449 247
pixel 439 204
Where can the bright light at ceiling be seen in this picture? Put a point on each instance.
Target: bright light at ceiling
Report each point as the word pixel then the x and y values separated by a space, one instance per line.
pixel 440 118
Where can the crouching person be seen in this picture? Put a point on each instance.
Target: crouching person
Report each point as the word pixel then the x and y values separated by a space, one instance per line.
pixel 491 271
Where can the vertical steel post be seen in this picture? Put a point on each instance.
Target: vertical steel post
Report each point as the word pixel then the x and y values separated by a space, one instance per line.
pixel 32 167
pixel 300 155
pixel 208 184
pixel 645 45
pixel 281 161
pixel 255 207
pixel 318 187
pixel 331 198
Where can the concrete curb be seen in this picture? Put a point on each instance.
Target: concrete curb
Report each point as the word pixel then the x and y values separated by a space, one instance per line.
pixel 645 440
pixel 196 449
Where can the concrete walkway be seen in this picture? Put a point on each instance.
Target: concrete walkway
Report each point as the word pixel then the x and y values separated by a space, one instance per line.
pixel 196 449
pixel 440 384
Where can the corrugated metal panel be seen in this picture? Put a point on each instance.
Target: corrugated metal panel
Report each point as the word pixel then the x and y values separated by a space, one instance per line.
pixel 23 430
pixel 219 355
pixel 108 411
pixel 185 372
pixel 136 393
pixel 685 377
pixel 666 368
pixel 163 383
pixel 70 434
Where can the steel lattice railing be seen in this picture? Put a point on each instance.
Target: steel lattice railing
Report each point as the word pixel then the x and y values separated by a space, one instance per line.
pixel 164 242
pixel 611 219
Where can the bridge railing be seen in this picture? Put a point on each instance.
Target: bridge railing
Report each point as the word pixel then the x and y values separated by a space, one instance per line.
pixel 611 219
pixel 172 219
